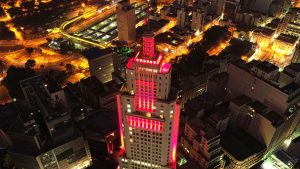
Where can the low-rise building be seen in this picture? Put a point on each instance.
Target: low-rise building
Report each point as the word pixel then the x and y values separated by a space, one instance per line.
pixel 241 149
pixel 285 44
pixel 262 36
pixel 201 142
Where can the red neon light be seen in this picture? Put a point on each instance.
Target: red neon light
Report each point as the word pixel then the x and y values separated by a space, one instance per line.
pixel 148 61
pixel 175 135
pixel 165 68
pixel 120 123
pixel 145 96
pixel 148 45
pixel 146 124
pixel 110 147
pixel 129 63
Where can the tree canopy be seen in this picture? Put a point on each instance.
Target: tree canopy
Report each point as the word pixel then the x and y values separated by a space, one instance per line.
pixel 30 63
pixel 13 78
pixel 214 36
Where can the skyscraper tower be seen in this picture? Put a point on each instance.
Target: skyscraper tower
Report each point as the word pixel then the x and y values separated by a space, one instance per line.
pixel 126 21
pixel 148 112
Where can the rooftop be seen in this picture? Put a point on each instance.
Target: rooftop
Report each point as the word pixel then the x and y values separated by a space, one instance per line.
pixel 274 118
pixel 169 38
pixel 291 88
pixel 257 106
pixel 102 122
pixel 294 67
pixel 241 100
pixel 240 145
pixel 52 86
pixel 264 31
pixel 287 38
pixel 284 157
pixel 274 24
pixel 200 125
pixel 153 25
pixel 93 53
pixel 266 67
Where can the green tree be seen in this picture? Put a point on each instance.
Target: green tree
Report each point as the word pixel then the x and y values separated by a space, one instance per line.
pixel 70 69
pixel 13 78
pixel 214 36
pixel 30 63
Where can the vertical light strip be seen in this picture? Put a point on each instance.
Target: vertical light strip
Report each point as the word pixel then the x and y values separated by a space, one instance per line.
pixel 120 123
pixel 175 134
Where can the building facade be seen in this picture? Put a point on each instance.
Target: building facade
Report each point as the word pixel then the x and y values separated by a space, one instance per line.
pixel 126 21
pixel 148 112
pixel 100 63
pixel 202 142
pixel 181 18
pixel 197 20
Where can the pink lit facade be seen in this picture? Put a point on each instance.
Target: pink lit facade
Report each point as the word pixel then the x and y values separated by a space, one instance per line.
pixel 148 112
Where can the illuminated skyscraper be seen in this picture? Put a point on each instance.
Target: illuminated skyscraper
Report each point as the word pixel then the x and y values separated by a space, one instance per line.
pixel 148 112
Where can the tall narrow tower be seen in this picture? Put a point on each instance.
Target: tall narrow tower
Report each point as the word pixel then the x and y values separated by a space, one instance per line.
pixel 126 21
pixel 148 112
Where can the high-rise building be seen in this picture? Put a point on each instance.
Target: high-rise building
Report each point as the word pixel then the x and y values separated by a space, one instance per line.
pixel 100 63
pixel 231 7
pixel 262 6
pixel 181 18
pixel 220 7
pixel 149 111
pixel 126 21
pixel 197 20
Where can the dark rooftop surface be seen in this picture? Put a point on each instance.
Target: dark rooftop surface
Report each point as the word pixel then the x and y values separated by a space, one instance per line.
pixel 294 66
pixel 153 25
pixel 169 38
pixel 265 31
pixel 93 53
pixel 241 100
pixel 240 144
pixel 201 125
pixel 284 157
pixel 274 118
pixel 274 24
pixel 266 67
pixel 290 88
pixel 52 86
pixel 287 38
pixel 257 106
pixel 102 122
pixel 93 85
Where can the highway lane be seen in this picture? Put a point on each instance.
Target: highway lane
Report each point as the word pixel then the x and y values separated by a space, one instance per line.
pixel 90 17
